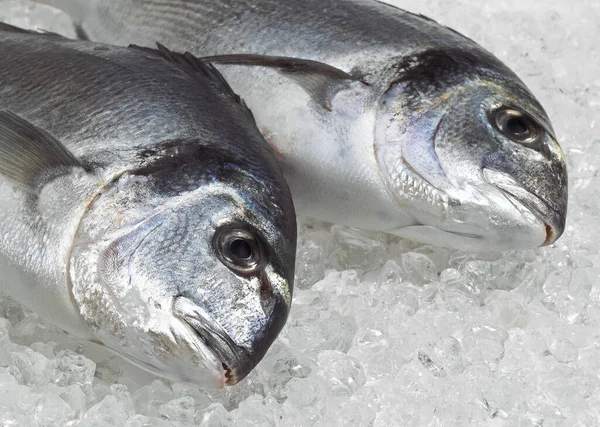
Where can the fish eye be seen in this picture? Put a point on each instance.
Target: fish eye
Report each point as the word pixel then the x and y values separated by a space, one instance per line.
pixel 516 125
pixel 238 249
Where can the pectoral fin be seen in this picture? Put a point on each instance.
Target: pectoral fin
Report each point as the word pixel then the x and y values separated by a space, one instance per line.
pixel 321 81
pixel 28 154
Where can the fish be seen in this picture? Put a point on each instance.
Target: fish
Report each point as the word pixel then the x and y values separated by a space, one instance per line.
pixel 382 119
pixel 142 209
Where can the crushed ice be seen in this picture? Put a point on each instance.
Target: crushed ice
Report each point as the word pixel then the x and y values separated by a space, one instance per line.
pixel 384 331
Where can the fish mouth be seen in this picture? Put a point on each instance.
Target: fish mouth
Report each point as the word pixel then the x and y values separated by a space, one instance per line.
pixel 554 221
pixel 235 361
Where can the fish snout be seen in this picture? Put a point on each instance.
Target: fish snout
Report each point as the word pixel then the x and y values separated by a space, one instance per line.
pixel 551 213
pixel 237 359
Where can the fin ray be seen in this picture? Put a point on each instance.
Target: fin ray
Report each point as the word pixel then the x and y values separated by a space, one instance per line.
pixel 194 66
pixel 28 153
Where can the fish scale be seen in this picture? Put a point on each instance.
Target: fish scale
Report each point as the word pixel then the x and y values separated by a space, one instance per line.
pixel 377 115
pixel 125 175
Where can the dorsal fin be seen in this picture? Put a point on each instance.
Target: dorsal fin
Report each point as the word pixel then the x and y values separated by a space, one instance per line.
pixel 194 66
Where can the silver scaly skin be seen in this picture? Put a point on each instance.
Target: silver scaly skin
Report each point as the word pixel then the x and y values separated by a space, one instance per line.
pixel 141 207
pixel 430 137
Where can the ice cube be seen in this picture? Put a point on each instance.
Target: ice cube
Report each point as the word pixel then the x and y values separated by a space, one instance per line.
pixel 215 416
pixel 343 374
pixel 109 412
pixel 484 344
pixel 443 357
pixel 72 368
pixel 29 368
pixel 149 398
pixel 515 333
pixel 51 410
pixel 357 249
pixel 181 410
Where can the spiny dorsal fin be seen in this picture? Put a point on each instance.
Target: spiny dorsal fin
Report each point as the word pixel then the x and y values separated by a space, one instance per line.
pixel 321 81
pixel 28 154
pixel 193 66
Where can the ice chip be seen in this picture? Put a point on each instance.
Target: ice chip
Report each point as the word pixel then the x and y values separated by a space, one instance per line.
pixel 371 347
pixel 310 264
pixel 32 328
pixel 418 268
pixel 202 399
pixel 565 294
pixel 319 329
pixel 564 351
pixel 257 410
pixel 286 367
pixel 527 323
pixel 357 249
pixel 451 278
pixel 484 344
pixel 343 374
pixel 181 410
pixel 108 412
pixel 507 308
pixel 216 416
pixel 51 410
pixel 45 349
pixel 6 346
pixel 29 368
pixel 439 256
pixel 109 370
pixel 396 412
pixel 147 399
pixel 75 398
pixel 121 392
pixel 306 394
pixel 15 419
pixel 143 421
pixel 72 368
pixel 11 310
pixel 360 410
pixel 443 357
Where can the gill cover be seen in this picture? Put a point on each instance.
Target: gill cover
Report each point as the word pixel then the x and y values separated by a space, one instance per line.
pixel 191 284
pixel 445 158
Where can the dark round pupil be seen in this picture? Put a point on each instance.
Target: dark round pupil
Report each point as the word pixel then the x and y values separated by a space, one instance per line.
pixel 517 126
pixel 241 249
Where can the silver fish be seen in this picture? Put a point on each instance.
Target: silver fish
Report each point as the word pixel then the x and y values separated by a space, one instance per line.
pixel 141 207
pixel 382 119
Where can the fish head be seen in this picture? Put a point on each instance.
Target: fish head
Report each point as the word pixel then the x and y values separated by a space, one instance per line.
pixel 196 281
pixel 468 151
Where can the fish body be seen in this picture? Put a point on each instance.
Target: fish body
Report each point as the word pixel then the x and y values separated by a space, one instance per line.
pixel 141 207
pixel 419 139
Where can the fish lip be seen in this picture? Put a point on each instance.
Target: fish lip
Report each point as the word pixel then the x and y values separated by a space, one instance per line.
pixel 511 187
pixel 235 360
